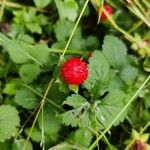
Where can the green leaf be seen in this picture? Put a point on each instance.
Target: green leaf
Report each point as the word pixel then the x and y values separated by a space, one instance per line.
pixel 51 123
pixel 128 73
pixel 15 50
pixel 29 72
pixel 5 145
pixel 75 101
pixel 12 87
pixel 19 144
pixel 9 121
pixel 63 29
pixel 41 3
pixel 115 51
pixel 40 52
pixel 109 107
pixel 26 99
pixel 35 135
pixel 62 146
pixel 82 137
pixel 67 9
pixel 99 74
pixel 79 116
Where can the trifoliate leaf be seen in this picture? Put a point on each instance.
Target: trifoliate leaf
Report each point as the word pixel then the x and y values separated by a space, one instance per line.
pixel 19 144
pixel 26 99
pixel 67 9
pixel 9 121
pixel 110 107
pixel 41 3
pixel 82 137
pixel 51 123
pixel 115 51
pixel 29 72
pixel 99 74
pixel 80 116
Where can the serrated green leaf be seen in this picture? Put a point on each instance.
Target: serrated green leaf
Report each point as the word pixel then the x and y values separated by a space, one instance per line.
pixel 79 116
pixel 67 9
pixel 26 99
pixel 51 123
pixel 41 3
pixel 99 74
pixel 15 50
pixel 29 72
pixel 110 107
pixel 75 101
pixel 9 121
pixel 115 51
pixel 19 144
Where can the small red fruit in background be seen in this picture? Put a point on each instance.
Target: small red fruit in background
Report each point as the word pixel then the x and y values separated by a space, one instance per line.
pixel 108 9
pixel 74 71
pixel 138 145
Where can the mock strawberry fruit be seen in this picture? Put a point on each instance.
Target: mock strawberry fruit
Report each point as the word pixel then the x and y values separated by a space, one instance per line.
pixel 108 9
pixel 74 71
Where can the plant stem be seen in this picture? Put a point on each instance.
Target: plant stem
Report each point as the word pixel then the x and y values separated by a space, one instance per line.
pixel 135 26
pixel 2 10
pixel 146 3
pixel 80 52
pixel 39 110
pixel 16 5
pixel 74 29
pixel 40 95
pixel 117 117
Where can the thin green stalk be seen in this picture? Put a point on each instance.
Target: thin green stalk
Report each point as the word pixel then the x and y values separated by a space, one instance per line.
pixel 135 26
pixel 74 29
pixel 2 10
pixel 118 116
pixel 22 127
pixel 47 99
pixel 38 113
pixel 139 13
pixel 140 7
pixel 80 52
pixel 16 5
pixel 146 3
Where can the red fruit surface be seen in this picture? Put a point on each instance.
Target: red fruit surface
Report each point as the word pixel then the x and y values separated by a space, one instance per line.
pixel 74 71
pixel 138 145
pixel 108 10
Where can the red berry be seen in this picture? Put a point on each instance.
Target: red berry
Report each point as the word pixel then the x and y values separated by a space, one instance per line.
pixel 74 71
pixel 108 10
pixel 138 145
